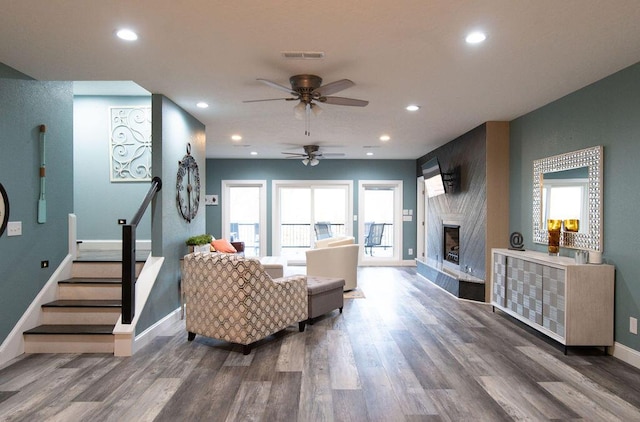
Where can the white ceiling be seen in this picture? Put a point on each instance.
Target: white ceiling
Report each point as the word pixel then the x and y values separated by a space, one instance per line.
pixel 397 52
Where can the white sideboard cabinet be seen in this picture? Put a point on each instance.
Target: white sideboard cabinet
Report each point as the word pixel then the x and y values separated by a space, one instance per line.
pixel 571 303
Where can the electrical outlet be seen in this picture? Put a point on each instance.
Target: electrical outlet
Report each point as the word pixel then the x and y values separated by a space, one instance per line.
pixel 44 264
pixel 122 221
pixel 410 251
pixel 633 325
pixel 14 228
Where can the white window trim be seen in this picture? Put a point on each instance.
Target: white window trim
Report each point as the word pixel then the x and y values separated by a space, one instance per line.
pixel 581 183
pixel 262 185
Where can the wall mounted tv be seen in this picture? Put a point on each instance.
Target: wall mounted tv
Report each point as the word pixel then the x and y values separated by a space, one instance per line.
pixel 433 182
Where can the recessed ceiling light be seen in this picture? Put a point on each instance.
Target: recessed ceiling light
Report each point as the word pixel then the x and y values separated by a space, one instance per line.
pixel 127 35
pixel 236 137
pixel 202 104
pixel 475 37
pixel 254 153
pixel 369 153
pixel 385 138
pixel 413 107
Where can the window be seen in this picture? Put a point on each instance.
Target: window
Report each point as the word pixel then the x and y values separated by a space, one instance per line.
pixel 244 214
pixel 566 199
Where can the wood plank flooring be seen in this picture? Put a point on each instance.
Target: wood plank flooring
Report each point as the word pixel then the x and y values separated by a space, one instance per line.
pixel 406 352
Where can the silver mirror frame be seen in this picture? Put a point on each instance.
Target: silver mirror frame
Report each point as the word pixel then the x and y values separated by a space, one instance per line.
pixel 592 158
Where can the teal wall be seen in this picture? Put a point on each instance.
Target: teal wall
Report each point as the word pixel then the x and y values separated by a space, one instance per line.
pixel 24 106
pixel 355 170
pixel 172 129
pixel 605 113
pixel 98 202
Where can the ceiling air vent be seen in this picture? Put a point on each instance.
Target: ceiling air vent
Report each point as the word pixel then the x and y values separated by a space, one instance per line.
pixel 303 55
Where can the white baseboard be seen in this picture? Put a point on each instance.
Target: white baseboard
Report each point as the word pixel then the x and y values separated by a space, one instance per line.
pixel 157 329
pixel 13 345
pixel 626 354
pixel 383 263
pixel 110 245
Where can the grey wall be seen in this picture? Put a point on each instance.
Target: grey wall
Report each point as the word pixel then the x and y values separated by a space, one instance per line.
pixel 98 202
pixel 356 170
pixel 173 128
pixel 466 207
pixel 24 106
pixel 605 113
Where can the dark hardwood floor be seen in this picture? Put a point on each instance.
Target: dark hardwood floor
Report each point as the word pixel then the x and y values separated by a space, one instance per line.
pixel 406 352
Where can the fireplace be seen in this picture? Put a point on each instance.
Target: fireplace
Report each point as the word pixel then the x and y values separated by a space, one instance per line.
pixel 451 244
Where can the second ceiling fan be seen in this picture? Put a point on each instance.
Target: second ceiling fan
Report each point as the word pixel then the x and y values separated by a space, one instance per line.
pixel 309 91
pixel 311 155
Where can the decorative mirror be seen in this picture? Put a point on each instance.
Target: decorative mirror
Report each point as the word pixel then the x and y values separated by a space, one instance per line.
pixel 575 178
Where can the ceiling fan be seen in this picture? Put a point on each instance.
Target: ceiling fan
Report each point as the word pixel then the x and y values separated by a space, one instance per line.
pixel 309 91
pixel 311 155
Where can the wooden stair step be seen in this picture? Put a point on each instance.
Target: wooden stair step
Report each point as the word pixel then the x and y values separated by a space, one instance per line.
pixel 109 269
pixel 70 329
pixel 84 303
pixel 94 281
pixel 90 288
pixel 87 311
pixel 68 338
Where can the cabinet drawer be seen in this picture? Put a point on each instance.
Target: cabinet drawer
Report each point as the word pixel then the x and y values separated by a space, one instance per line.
pixel 524 288
pixel 553 300
pixel 498 293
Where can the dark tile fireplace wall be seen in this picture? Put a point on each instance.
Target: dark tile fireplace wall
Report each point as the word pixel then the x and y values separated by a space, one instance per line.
pixel 467 207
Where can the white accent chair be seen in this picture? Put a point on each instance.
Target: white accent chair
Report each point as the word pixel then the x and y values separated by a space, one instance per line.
pixel 335 258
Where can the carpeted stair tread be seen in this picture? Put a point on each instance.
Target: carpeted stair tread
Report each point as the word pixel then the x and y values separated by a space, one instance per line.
pixel 84 303
pixel 86 280
pixel 71 329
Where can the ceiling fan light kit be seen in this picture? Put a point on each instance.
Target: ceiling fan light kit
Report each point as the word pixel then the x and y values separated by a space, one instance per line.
pixel 311 156
pixel 311 162
pixel 308 91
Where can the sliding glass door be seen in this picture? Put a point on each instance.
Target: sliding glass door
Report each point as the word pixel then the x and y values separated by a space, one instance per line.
pixel 306 211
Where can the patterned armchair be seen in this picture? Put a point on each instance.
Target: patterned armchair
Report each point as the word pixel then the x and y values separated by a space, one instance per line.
pixel 232 298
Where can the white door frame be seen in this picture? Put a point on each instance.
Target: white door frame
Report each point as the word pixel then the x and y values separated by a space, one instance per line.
pixel 397 187
pixel 226 212
pixel 421 221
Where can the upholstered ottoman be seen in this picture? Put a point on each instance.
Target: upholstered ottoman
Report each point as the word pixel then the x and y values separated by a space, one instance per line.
pixel 324 295
pixel 274 265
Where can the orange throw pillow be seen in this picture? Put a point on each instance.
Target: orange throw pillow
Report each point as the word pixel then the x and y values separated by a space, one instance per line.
pixel 223 245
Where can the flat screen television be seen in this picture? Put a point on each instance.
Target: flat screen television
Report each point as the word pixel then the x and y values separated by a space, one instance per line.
pixel 433 182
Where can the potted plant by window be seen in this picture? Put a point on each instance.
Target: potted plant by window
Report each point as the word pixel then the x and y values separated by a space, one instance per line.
pixel 199 243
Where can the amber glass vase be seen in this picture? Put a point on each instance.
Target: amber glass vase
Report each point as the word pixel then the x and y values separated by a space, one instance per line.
pixel 571 225
pixel 554 226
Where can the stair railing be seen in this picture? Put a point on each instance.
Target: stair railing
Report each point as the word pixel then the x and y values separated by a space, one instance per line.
pixel 129 255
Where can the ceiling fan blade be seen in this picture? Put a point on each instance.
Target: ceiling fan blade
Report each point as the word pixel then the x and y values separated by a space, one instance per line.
pixel 278 86
pixel 343 101
pixel 269 99
pixel 332 154
pixel 294 154
pixel 333 87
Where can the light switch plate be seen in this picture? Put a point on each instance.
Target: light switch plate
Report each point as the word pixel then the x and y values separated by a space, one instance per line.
pixel 211 199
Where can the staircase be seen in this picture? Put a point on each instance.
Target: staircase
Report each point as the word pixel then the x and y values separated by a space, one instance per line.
pixel 88 305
